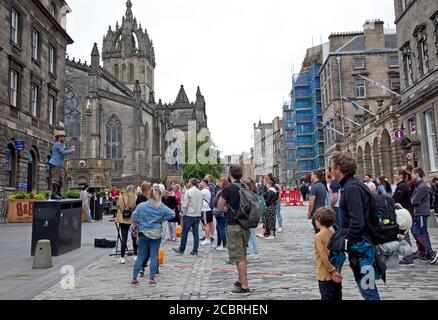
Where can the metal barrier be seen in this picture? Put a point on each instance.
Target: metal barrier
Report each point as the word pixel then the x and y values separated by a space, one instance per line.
pixel 292 198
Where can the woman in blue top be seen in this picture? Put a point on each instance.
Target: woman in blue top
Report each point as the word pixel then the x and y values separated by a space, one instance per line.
pixel 384 188
pixel 149 216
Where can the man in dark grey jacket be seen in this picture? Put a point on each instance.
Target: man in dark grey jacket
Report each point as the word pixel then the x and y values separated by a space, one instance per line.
pixel 421 204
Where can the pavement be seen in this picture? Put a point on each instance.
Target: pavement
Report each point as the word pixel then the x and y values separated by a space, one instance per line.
pixel 284 271
pixel 18 281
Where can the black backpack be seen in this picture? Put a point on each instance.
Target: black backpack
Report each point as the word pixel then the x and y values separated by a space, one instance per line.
pixel 248 215
pixel 381 225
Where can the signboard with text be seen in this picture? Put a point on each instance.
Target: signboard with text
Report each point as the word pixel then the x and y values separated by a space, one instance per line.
pixel 19 145
pixel 398 134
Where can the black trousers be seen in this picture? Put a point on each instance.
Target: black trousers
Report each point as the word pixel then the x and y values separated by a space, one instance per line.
pixel 330 291
pixel 124 230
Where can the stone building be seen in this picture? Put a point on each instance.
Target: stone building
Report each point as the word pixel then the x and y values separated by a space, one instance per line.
pixel 417 32
pixel 33 42
pixel 348 57
pixel 278 161
pixel 263 149
pixel 112 116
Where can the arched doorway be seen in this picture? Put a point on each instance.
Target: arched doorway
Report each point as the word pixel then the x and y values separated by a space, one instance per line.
pixel 386 154
pixel 360 164
pixel 32 171
pixel 11 166
pixel 376 159
pixel 368 161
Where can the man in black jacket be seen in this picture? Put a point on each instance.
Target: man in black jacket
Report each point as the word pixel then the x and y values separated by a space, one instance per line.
pixel 355 212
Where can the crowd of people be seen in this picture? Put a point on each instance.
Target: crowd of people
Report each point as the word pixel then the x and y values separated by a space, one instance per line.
pixel 342 208
pixel 151 214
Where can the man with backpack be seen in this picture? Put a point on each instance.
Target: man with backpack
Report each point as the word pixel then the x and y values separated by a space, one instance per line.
pixel 355 207
pixel 421 204
pixel 237 235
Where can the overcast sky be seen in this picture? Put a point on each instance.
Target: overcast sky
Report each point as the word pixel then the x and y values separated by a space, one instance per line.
pixel 241 52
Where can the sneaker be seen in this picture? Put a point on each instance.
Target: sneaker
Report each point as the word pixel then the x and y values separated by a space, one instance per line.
pixel 404 263
pixel 142 273
pixel 122 261
pixel 212 240
pixel 434 258
pixel 240 292
pixel 259 235
pixel 237 285
pixel 135 283
pixel 221 249
pixel 270 238
pixel 193 253
pixel 203 239
pixel 177 251
pixel 205 243
pixel 280 230
pixel 152 283
pixel 135 258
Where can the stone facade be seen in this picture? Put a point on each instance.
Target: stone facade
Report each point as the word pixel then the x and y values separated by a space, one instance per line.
pixel 367 134
pixel 112 116
pixel 33 42
pixel 417 31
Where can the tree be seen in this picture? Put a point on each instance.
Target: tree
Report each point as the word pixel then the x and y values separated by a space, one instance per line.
pixel 199 170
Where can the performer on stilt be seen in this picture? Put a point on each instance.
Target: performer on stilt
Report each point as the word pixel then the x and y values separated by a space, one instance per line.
pixel 57 164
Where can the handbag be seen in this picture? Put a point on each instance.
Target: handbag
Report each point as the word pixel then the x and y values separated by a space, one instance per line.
pixel 127 212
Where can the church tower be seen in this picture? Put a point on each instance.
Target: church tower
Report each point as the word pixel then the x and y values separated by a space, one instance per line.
pixel 128 54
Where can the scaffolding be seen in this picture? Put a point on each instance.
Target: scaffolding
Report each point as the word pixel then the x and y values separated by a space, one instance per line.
pixel 303 130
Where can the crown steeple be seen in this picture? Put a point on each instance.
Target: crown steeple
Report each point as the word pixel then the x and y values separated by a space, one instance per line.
pixel 129 15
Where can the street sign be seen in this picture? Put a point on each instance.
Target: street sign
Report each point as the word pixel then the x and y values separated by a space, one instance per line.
pixel 398 134
pixel 410 157
pixel 19 145
pixel 23 186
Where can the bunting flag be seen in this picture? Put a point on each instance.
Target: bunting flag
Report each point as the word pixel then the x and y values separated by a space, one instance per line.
pixel 381 86
pixel 353 103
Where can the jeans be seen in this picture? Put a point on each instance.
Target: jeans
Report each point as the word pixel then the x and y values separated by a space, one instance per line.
pixel 330 291
pixel 88 213
pixel 221 228
pixel 172 230
pixel 124 229
pixel 419 230
pixel 147 246
pixel 253 245
pixel 278 213
pixel 369 294
pixel 190 222
pixel 338 222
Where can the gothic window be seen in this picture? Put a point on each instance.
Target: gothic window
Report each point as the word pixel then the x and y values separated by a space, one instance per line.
pixel 114 138
pixel 146 145
pixel 72 113
pixel 117 72
pixel 123 73
pixel 131 72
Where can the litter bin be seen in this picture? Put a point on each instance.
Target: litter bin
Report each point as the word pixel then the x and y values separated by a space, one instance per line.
pixel 96 207
pixel 60 222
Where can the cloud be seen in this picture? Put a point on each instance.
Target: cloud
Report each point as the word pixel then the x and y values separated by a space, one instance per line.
pixel 241 52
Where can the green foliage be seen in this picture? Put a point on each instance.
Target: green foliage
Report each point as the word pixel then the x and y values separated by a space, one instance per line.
pixel 103 192
pixel 198 170
pixel 73 194
pixel 29 196
pixel 165 180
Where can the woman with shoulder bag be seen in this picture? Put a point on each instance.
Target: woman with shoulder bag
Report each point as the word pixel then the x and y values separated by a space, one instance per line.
pixel 150 216
pixel 125 206
pixel 221 221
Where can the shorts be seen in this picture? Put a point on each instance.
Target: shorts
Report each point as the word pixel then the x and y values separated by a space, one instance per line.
pixel 57 175
pixel 207 217
pixel 237 243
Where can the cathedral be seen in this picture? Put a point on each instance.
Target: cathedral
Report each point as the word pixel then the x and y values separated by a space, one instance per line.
pixel 111 114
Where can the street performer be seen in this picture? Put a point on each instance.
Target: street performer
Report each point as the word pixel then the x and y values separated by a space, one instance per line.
pixel 57 164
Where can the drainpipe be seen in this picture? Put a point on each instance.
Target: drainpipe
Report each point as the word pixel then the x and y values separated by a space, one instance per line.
pixel 338 60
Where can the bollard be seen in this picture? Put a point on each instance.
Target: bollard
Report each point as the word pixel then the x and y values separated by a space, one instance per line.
pixel 432 223
pixel 43 255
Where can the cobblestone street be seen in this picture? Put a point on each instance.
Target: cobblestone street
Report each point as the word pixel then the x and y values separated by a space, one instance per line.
pixel 285 271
